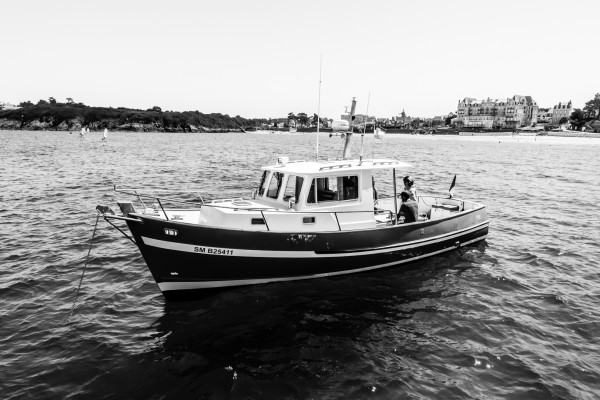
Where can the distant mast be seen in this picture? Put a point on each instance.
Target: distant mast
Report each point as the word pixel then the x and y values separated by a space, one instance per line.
pixel 349 133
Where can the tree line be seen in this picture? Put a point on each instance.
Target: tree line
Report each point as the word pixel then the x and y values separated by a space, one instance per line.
pixel 71 115
pixel 590 112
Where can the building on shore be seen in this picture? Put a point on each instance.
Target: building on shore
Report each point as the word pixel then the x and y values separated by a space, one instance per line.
pixel 401 121
pixel 438 120
pixel 544 115
pixel 510 113
pixel 561 110
pixel 359 119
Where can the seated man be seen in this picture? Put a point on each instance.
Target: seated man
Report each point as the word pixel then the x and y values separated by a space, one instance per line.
pixel 409 208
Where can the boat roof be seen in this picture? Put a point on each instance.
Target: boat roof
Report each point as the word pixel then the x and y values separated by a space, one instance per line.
pixel 325 167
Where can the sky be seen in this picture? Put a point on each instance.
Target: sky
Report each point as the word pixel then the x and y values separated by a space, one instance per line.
pixel 265 59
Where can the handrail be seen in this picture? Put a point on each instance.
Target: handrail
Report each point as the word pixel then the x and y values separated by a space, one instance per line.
pixel 264 219
pixel 140 199
pixel 161 207
pixel 338 221
pixel 124 190
pixel 218 203
pixel 142 196
pixel 330 167
pixel 141 221
pixel 129 191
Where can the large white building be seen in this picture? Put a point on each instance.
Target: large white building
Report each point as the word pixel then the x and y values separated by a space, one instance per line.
pixel 561 110
pixel 515 112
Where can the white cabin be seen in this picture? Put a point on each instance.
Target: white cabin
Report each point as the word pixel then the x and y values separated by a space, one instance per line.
pixel 310 196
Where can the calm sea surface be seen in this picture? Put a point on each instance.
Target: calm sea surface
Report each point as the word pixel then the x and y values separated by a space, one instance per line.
pixel 515 317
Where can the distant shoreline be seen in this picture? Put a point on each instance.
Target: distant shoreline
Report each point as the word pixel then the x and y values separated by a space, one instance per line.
pixel 555 137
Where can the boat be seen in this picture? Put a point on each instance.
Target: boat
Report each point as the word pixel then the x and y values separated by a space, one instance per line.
pixel 305 220
pixel 264 132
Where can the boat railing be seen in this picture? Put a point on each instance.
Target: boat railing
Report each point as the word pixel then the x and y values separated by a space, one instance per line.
pixel 141 196
pixel 380 215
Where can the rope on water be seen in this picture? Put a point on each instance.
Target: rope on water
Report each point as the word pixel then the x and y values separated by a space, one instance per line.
pixel 84 267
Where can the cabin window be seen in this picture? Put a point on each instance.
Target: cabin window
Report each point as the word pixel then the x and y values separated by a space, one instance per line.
pixel 334 188
pixel 263 183
pixel 293 187
pixel 275 185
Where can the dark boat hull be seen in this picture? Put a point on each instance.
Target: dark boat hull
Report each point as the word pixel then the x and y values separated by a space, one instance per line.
pixel 199 258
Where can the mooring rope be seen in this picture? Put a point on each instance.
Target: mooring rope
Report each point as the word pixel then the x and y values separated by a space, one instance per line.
pixel 84 267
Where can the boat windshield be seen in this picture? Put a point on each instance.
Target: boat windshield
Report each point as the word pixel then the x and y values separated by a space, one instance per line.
pixel 293 187
pixel 275 185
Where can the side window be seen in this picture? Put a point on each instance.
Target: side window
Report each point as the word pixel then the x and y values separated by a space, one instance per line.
pixel 263 183
pixel 275 185
pixel 349 187
pixel 293 187
pixel 311 199
pixel 334 188
pixel 327 189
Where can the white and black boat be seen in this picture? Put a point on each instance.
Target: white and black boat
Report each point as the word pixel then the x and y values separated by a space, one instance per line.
pixel 306 219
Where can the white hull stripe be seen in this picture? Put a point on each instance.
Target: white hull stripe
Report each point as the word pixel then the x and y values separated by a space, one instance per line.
pixel 229 252
pixel 169 286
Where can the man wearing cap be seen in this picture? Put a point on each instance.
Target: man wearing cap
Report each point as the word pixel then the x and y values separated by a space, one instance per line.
pixel 409 208
pixel 409 188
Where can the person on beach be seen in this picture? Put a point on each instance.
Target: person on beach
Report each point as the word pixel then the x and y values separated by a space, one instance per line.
pixel 105 136
pixel 410 188
pixel 409 209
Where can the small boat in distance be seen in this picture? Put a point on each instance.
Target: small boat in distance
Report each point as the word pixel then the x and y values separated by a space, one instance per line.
pixel 305 220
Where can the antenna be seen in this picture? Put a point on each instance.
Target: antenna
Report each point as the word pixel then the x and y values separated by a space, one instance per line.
pixel 362 137
pixel 319 107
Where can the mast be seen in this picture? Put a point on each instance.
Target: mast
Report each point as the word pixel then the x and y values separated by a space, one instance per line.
pixel 395 197
pixel 349 133
pixel 319 107
pixel 362 136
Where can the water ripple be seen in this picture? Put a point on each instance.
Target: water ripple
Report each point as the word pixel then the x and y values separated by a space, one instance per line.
pixel 514 317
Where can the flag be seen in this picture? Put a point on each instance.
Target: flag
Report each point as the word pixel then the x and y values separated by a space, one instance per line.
pixel 451 190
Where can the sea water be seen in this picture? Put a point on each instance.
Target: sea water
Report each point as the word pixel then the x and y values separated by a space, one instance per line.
pixel 516 316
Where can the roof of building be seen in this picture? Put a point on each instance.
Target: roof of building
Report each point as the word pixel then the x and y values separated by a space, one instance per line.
pixel 564 104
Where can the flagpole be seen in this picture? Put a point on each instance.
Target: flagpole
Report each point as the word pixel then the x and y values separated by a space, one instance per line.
pixel 319 106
